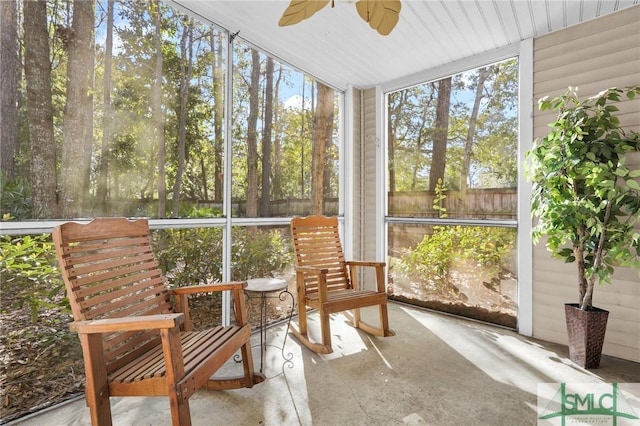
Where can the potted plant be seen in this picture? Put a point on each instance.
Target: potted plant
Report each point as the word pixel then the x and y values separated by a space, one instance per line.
pixel 587 202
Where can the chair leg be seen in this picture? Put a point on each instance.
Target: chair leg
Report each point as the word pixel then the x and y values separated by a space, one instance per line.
pixel 99 409
pixel 384 321
pixel 97 385
pixel 383 329
pixel 180 412
pixel 250 376
pixel 356 317
pixel 325 328
pixel 300 332
pixel 302 319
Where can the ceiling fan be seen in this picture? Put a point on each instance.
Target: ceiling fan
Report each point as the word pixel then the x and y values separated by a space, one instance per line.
pixel 382 15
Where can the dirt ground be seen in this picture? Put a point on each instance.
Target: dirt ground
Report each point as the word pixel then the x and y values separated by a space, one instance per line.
pixel 468 294
pixel 40 362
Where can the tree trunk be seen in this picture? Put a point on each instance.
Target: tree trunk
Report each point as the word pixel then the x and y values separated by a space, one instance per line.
pixel 252 137
pixel 328 150
pixel 276 186
pixel 102 190
pixel 185 77
pixel 78 115
pixel 322 120
pixel 9 78
pixel 395 103
pixel 40 110
pixel 438 157
pixel 265 199
pixel 483 74
pixel 422 140
pixel 302 139
pixel 218 115
pixel 158 115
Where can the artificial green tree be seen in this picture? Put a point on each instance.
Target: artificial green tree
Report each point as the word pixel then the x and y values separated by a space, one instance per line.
pixel 585 197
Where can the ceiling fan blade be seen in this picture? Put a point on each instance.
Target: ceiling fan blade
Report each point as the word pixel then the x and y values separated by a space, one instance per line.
pixel 300 10
pixel 382 15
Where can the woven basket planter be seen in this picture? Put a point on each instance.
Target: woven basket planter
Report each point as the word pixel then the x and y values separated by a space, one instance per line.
pixel 586 330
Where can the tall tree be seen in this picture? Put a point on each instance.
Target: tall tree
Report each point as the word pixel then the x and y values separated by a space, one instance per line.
pixel 186 67
pixel 9 77
pixel 218 112
pixel 265 198
pixel 441 131
pixel 322 126
pixel 156 107
pixel 276 185
pixel 396 101
pixel 78 115
pixel 483 74
pixel 40 110
pixel 101 192
pixel 252 136
pixel 423 118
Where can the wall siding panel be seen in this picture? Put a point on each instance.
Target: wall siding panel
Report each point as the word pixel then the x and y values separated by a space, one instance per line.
pixel 369 176
pixel 592 56
pixel 356 173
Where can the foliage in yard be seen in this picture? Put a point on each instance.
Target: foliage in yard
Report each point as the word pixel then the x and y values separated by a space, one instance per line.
pixel 432 259
pixel 15 202
pixel 29 273
pixel 190 256
pixel 259 253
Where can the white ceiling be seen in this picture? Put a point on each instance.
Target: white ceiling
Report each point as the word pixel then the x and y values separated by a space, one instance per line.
pixel 336 46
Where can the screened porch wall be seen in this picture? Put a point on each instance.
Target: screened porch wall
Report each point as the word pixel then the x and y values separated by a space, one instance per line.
pixel 595 55
pixel 592 56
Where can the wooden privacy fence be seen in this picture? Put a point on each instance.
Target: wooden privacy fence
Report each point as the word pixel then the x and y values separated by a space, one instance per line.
pixel 491 203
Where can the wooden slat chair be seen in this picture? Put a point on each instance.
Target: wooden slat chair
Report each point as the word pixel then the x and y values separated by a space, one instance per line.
pixel 329 284
pixel 134 341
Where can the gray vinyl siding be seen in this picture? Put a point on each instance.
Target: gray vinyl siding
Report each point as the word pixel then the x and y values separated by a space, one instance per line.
pixel 592 56
pixel 369 176
pixel 356 170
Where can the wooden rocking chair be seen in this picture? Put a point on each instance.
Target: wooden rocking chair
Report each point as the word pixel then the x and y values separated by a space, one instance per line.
pixel 329 284
pixel 134 341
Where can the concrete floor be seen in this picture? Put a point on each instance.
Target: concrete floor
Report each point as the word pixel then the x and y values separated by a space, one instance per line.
pixel 437 370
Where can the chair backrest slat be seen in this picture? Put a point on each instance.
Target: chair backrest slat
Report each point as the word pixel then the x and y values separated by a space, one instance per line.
pixel 110 271
pixel 317 243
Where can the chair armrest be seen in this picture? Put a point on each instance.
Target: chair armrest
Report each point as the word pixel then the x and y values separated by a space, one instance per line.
pixel 143 322
pixel 207 288
pixel 311 269
pixel 181 293
pixel 322 281
pixel 353 273
pixel 365 263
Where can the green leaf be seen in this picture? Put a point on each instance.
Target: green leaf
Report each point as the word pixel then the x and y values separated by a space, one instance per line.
pixel 633 184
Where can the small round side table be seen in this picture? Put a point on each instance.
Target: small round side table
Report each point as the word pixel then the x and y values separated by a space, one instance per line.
pixel 263 286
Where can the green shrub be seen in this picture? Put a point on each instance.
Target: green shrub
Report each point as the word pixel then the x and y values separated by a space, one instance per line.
pixel 189 256
pixel 192 256
pixel 15 199
pixel 29 273
pixel 432 259
pixel 258 253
